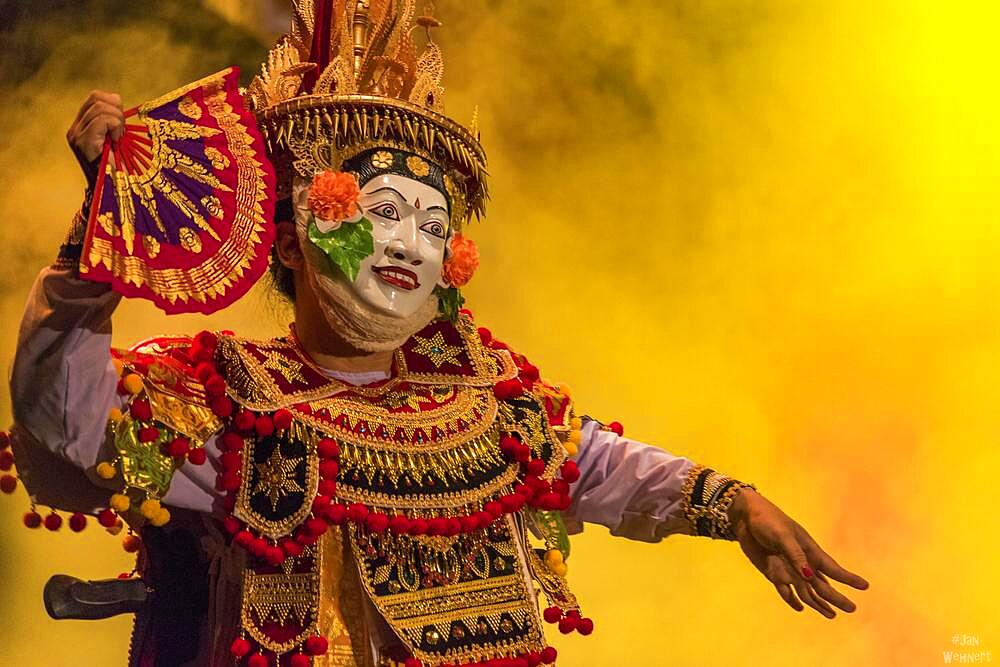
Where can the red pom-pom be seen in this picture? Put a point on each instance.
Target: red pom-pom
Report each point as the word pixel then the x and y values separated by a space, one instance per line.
pixel 529 373
pixel 4 440
pixel 377 522
pixel 584 626
pixel 567 625
pixel 206 340
pixel 418 527
pixel 534 658
pixel 215 385
pixel 232 525
pixel 282 419
pixel 512 502
pixel 258 547
pixel 316 645
pixel 485 335
pixel 32 519
pixel 328 487
pixel 178 447
pixel 6 460
pixel 357 512
pixel 140 410
pixel 292 548
pixel 552 614
pixel 232 442
pixel 203 371
pixel 522 453
pixel 508 389
pixel 231 461
pixel 258 660
pixel 469 523
pixel 107 518
pixel 560 486
pixel 320 503
pixel 229 481
pixel 131 544
pixel 436 526
pixel 274 556
pixel 243 538
pixel 299 660
pixel 148 434
pixel 240 647
pixel 263 425
pixel 570 471
pixel 77 522
pixel 197 456
pixel 327 448
pixel 53 521
pixel 494 508
pixel 509 444
pixel 412 662
pixel 535 467
pixel 548 655
pixel 328 469
pixel 617 428
pixel 244 420
pixel 399 524
pixel 221 406
pixel 8 483
pixel 316 526
pixel 336 514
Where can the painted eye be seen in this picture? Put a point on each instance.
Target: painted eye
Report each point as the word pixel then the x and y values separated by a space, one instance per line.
pixel 385 210
pixel 434 227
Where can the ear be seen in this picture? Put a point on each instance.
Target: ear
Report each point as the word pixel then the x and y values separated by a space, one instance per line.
pixel 286 244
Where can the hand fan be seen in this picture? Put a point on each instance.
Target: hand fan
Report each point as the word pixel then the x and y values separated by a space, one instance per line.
pixel 183 204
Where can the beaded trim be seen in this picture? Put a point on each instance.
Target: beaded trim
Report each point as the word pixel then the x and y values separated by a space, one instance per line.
pixel 707 496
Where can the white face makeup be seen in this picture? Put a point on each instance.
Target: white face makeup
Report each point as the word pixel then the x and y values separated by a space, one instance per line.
pixel 410 227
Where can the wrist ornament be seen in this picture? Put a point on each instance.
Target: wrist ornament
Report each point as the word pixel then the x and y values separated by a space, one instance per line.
pixel 707 496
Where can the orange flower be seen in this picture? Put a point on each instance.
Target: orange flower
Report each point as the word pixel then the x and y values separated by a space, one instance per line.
pixel 333 195
pixel 464 261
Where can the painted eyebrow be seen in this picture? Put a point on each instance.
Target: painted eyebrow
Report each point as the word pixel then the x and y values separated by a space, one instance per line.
pixel 440 208
pixel 386 187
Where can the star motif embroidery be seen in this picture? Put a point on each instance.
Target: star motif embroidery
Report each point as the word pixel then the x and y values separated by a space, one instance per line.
pixel 287 368
pixel 275 478
pixel 435 349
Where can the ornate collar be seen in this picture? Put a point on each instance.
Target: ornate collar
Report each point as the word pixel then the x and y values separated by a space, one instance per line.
pixel 266 375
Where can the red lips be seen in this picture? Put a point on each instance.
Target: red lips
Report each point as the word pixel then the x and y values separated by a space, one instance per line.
pixel 397 277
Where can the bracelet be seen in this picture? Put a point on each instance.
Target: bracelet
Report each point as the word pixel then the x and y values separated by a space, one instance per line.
pixel 707 496
pixel 72 247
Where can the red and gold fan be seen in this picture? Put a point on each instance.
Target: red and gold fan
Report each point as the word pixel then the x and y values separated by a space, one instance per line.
pixel 183 203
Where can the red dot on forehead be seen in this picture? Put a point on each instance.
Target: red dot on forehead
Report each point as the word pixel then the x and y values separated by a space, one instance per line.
pixel 417 203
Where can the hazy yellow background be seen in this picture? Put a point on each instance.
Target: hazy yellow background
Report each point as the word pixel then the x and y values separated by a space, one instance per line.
pixel 763 234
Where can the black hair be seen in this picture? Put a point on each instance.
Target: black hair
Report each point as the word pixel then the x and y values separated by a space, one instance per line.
pixel 282 277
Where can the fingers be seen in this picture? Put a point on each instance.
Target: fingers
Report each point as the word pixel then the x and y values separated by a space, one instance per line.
pixel 790 548
pixel 114 99
pixel 826 564
pixel 785 591
pixel 823 589
pixel 807 595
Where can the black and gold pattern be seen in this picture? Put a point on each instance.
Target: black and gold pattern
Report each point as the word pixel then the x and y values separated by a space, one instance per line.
pixel 707 496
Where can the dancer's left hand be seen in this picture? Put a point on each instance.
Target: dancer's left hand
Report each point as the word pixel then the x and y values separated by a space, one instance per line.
pixel 789 557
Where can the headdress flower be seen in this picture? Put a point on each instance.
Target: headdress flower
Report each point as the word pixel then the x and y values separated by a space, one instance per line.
pixel 333 195
pixel 462 263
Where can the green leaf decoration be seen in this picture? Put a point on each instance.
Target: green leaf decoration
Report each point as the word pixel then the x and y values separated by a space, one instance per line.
pixel 450 301
pixel 346 246
pixel 551 530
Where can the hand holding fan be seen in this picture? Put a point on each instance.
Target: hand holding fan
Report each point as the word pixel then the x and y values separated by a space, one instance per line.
pixel 183 203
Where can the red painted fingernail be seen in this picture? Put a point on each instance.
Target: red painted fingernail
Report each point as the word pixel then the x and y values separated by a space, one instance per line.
pixel 807 572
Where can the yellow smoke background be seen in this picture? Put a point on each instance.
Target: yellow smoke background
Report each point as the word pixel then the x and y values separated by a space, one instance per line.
pixel 762 234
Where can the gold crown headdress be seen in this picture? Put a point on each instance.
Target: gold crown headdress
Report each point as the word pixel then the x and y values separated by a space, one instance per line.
pixel 347 78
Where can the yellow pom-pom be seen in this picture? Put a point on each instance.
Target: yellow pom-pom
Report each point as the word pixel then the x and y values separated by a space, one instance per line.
pixel 115 415
pixel 120 502
pixel 161 517
pixel 149 508
pixel 564 389
pixel 571 448
pixel 119 366
pixel 576 423
pixel 560 568
pixel 574 436
pixel 553 557
pixel 132 383
pixel 105 470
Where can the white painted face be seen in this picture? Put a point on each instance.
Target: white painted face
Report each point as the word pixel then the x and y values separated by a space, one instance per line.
pixel 410 225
